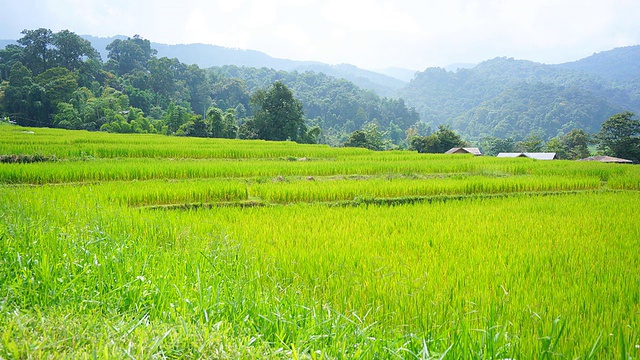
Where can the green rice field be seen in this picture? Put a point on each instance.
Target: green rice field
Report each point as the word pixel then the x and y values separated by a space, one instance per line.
pixel 148 246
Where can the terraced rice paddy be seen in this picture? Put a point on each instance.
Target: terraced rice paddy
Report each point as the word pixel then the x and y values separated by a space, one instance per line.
pixel 152 247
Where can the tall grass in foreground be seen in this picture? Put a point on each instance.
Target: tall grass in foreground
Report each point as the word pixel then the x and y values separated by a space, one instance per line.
pixel 87 271
pixel 525 277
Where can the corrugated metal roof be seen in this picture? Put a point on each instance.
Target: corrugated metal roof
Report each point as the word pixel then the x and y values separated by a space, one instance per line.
pixel 537 156
pixel 607 159
pixel 510 155
pixel 470 150
pixel 541 156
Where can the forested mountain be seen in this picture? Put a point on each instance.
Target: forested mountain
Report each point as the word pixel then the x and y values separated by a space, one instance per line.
pixel 206 56
pixel 504 97
pixel 336 105
pixel 382 84
pixel 59 80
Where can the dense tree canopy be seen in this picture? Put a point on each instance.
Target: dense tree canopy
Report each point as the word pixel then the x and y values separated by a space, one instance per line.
pixel 58 79
pixel 440 141
pixel 509 98
pixel 369 138
pixel 620 136
pixel 572 146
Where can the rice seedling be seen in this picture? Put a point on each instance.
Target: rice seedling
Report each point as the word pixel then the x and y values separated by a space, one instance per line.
pixel 88 270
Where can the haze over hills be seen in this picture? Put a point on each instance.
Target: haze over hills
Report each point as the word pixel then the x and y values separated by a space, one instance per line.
pixel 395 82
pixel 616 64
pixel 504 97
pixel 501 97
pixel 206 56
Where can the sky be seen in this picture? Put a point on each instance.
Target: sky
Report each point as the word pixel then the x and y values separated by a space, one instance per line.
pixel 371 34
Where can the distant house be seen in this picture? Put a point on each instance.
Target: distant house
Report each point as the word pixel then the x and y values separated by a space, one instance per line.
pixel 607 159
pixel 510 155
pixel 537 156
pixel 474 151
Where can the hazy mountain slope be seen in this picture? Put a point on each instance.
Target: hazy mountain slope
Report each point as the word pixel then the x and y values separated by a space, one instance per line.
pixel 542 109
pixel 514 98
pixel 339 103
pixel 206 56
pixel 383 85
pixel 457 66
pixel 620 64
pixel 402 74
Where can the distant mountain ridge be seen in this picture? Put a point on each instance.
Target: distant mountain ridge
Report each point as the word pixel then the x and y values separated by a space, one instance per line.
pixel 206 56
pixel 501 97
pixel 504 97
pixel 617 64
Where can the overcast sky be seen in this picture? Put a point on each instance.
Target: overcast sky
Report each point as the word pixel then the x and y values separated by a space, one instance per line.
pixel 371 34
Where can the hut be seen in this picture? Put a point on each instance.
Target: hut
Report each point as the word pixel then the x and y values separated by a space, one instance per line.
pixel 607 159
pixel 541 156
pixel 468 150
pixel 510 155
pixel 537 156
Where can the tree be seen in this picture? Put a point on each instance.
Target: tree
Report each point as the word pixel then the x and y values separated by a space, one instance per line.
pixel 577 142
pixel 369 138
pixel 493 146
pixel 279 115
pixel 24 100
pixel 312 135
pixel 37 49
pixel 67 117
pixel 166 79
pixel 216 121
pixel 231 92
pixel 130 54
pixel 58 83
pixel 358 138
pixel 532 144
pixel 439 142
pixel 175 117
pixel 71 50
pixel 557 146
pixel 247 130
pixel 618 136
pixel 10 55
pixel 425 144
pixel 448 139
pixel 198 127
pixel 571 146
pixel 199 88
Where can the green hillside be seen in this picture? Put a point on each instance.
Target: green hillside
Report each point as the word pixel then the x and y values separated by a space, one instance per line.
pixel 505 97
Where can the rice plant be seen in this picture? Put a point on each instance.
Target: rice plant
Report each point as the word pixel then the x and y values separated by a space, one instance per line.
pixel 532 260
